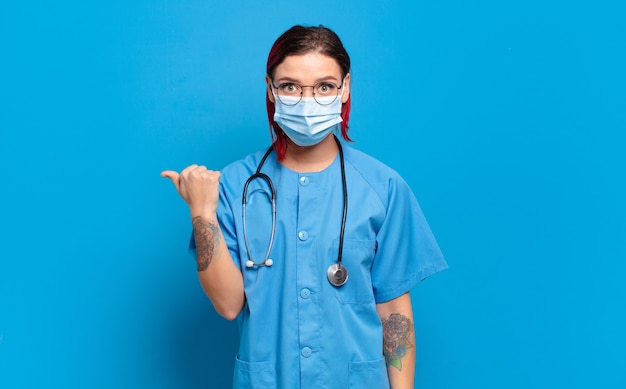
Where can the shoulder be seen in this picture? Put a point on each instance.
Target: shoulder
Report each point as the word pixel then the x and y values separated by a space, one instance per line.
pixel 245 164
pixel 367 165
pixel 235 174
pixel 382 178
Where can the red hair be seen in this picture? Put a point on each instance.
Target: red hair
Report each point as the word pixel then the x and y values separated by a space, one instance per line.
pixel 300 40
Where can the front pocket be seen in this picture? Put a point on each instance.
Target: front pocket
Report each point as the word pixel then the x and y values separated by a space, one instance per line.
pixel 369 374
pixel 254 375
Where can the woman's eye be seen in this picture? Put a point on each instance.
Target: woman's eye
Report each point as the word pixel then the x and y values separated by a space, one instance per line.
pixel 325 88
pixel 288 88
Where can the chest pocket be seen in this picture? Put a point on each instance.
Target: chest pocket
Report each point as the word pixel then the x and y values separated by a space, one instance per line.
pixel 357 258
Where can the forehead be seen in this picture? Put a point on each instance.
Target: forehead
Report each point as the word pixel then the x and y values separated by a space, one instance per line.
pixel 308 67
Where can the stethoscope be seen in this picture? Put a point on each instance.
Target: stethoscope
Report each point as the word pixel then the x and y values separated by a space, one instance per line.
pixel 337 273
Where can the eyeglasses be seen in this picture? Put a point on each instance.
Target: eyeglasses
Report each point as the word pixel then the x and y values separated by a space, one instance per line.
pixel 324 93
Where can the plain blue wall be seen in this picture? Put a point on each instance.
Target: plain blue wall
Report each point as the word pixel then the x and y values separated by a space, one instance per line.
pixel 506 118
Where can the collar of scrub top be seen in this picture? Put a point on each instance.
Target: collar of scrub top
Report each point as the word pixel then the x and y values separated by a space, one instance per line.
pixel 337 273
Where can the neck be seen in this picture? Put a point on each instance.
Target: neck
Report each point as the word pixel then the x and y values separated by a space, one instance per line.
pixel 308 159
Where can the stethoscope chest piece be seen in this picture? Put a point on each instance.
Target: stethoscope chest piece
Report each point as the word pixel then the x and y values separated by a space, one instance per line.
pixel 337 274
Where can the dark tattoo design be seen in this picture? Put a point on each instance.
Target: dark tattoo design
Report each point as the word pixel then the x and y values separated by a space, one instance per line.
pixel 397 329
pixel 207 237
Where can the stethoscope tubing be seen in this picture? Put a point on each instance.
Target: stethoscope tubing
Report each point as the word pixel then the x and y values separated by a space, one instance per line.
pixel 337 273
pixel 345 203
pixel 265 177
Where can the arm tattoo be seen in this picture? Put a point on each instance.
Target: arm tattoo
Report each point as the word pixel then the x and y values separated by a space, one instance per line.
pixel 207 237
pixel 397 329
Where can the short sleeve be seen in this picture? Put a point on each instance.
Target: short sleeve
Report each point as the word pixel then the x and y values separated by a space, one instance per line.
pixel 407 251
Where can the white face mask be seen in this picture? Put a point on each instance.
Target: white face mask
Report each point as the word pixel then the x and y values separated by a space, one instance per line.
pixel 307 123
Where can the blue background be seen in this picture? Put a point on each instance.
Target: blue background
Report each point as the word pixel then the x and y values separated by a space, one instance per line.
pixel 506 118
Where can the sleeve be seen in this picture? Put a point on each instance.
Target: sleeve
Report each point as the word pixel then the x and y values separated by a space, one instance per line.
pixel 407 251
pixel 226 220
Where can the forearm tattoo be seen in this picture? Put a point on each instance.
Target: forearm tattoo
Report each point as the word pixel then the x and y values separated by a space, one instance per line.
pixel 207 237
pixel 397 330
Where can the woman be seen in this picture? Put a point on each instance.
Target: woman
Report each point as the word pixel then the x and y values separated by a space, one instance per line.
pixel 321 285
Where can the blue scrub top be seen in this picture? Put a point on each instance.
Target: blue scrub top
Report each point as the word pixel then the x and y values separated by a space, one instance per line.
pixel 296 329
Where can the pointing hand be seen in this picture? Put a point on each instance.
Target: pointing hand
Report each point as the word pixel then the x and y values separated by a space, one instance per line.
pixel 198 186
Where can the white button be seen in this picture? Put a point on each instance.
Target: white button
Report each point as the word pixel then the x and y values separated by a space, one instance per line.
pixel 306 352
pixel 303 235
pixel 304 181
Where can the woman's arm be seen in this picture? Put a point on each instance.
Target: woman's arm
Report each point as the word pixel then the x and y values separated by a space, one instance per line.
pixel 398 340
pixel 221 280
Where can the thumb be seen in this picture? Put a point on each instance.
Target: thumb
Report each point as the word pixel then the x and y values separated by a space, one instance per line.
pixel 173 176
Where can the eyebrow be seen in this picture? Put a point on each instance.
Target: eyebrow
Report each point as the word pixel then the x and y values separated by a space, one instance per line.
pixel 295 81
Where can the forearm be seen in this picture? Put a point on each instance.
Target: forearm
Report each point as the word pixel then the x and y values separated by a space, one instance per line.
pixel 221 280
pixel 398 341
